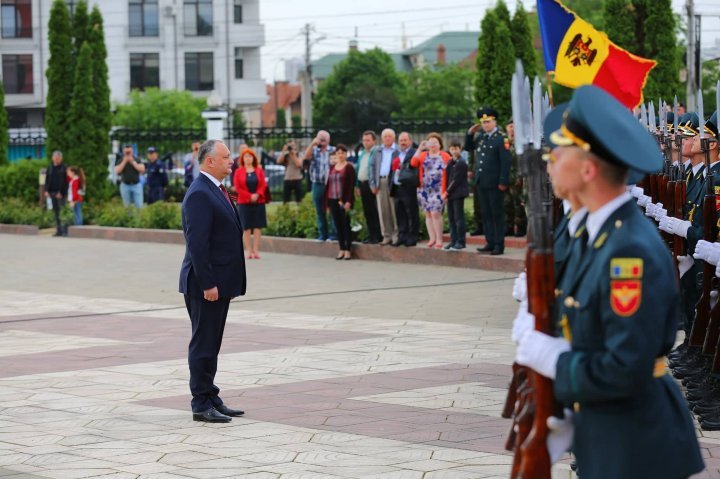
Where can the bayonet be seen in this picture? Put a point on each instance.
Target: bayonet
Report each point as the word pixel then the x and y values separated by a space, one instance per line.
pixel 700 114
pixel 651 118
pixel 537 114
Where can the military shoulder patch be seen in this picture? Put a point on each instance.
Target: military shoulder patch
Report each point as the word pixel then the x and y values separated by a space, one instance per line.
pixel 625 296
pixel 717 198
pixel 507 143
pixel 626 268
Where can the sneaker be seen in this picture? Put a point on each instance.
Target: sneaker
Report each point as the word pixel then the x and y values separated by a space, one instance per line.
pixel 320 239
pixel 448 247
pixel 457 247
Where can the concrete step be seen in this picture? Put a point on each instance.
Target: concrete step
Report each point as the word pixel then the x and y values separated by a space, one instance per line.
pixel 510 241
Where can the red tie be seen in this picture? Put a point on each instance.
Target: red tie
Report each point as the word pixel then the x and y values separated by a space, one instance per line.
pixel 225 192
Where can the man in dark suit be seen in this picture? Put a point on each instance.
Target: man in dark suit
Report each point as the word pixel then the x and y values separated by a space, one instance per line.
pixel 212 273
pixel 404 193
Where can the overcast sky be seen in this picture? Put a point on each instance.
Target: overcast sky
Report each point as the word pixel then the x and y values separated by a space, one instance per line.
pixel 380 23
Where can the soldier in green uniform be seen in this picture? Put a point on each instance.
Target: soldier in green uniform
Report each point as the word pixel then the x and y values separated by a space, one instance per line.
pixel 630 419
pixel 514 196
pixel 491 174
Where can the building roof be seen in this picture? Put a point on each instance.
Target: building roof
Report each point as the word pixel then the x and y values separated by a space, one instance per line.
pixel 458 47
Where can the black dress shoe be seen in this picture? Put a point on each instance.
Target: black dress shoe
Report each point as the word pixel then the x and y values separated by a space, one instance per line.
pixel 411 243
pixel 397 243
pixel 223 409
pixel 496 252
pixel 211 415
pixel 710 425
pixel 485 249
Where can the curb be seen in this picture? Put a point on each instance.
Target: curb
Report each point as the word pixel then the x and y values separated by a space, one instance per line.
pixel 28 230
pixel 272 244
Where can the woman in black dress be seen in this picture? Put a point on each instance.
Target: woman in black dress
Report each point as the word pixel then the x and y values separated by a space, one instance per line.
pixel 250 185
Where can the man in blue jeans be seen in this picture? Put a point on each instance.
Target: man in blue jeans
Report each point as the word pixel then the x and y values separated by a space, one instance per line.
pixel 318 153
pixel 130 169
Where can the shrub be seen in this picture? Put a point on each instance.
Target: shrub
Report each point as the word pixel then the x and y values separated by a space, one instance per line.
pixel 115 214
pixel 21 180
pixel 15 211
pixel 161 216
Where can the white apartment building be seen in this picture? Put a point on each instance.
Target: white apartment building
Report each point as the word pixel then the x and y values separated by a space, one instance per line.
pixel 195 45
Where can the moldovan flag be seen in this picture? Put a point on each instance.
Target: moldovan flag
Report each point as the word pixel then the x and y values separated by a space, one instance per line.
pixel 581 55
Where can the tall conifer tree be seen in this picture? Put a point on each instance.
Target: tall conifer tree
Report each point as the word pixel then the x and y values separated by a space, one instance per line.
pixel 485 54
pixel 523 41
pixel 80 26
pixel 501 72
pixel 60 74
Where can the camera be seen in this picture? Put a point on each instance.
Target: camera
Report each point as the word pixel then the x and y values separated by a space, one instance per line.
pixel 289 147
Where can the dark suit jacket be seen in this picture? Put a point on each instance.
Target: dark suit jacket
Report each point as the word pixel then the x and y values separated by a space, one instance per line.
pixel 404 164
pixel 457 180
pixel 214 253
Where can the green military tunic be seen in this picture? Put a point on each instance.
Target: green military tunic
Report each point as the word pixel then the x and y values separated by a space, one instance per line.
pixel 627 407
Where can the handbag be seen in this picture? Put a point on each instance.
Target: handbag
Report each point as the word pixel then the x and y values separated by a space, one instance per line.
pixel 408 176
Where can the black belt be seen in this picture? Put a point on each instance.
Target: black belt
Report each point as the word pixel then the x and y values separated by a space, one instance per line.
pixel 130 184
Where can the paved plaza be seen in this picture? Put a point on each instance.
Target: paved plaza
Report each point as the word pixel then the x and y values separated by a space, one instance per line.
pixel 354 369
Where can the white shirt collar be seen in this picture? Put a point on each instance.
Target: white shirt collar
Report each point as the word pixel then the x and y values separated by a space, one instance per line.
pixel 697 167
pixel 575 220
pixel 597 219
pixel 215 181
pixel 675 163
pixel 566 207
pixel 389 148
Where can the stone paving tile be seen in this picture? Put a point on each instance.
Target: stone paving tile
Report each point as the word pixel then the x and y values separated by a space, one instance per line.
pixel 330 396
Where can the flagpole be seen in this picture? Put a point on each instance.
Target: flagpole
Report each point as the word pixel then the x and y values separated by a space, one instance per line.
pixel 549 87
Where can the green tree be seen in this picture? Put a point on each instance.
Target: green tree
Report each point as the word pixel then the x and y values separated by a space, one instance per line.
pixel 443 92
pixel 523 41
pixel 501 73
pixel 361 91
pixel 83 150
pixel 80 27
pixel 156 108
pixel 503 13
pixel 710 77
pixel 619 19
pixel 662 46
pixel 101 88
pixel 280 121
pixel 589 10
pixel 4 138
pixel 485 54
pixel 60 77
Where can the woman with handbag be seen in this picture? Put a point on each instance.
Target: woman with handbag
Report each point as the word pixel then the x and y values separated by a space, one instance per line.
pixel 250 185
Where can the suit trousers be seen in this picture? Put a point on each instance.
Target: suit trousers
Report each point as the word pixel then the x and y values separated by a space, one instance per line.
pixel 407 215
pixel 208 324
pixel 369 203
pixel 493 215
pixel 342 223
pixel 57 205
pixel 456 220
pixel 386 212
pixel 477 209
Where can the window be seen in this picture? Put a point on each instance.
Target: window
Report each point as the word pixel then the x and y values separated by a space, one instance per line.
pixel 238 63
pixel 237 11
pixel 199 71
pixel 16 18
pixel 144 70
pixel 198 18
pixel 71 4
pixel 17 73
pixel 143 18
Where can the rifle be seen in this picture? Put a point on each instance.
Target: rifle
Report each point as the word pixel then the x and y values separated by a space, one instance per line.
pixel 680 195
pixel 532 460
pixel 702 308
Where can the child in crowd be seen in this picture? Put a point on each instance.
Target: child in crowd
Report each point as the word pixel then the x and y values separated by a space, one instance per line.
pixel 76 192
pixel 456 190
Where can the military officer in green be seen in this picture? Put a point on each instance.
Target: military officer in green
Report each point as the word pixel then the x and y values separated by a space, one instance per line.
pixel 514 196
pixel 492 172
pixel 630 419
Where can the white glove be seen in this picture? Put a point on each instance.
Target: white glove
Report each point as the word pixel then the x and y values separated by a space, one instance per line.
pixel 650 209
pixel 561 435
pixel 706 251
pixel 519 291
pixel 643 200
pixel 717 271
pixel 675 226
pixel 659 212
pixel 637 192
pixel 540 352
pixel 523 322
pixel 684 264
